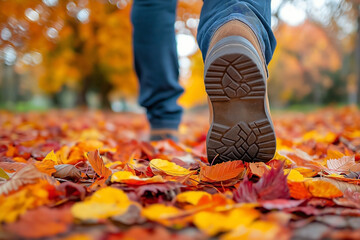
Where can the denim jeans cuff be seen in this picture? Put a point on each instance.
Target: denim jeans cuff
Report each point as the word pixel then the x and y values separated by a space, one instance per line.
pixel 164 124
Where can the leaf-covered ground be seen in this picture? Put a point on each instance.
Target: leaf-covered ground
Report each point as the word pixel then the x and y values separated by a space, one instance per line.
pixel 89 175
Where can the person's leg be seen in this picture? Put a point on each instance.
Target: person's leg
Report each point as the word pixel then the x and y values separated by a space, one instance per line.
pixel 255 14
pixel 236 41
pixel 156 62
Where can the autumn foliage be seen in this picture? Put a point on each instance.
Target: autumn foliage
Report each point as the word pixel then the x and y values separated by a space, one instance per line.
pixel 88 175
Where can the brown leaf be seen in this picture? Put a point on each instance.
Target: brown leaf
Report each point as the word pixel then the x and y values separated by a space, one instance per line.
pixel 26 175
pixel 67 171
pixel 41 222
pixel 131 216
pixel 98 164
pixel 221 172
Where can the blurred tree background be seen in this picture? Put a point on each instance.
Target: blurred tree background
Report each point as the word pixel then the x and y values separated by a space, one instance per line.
pixel 78 53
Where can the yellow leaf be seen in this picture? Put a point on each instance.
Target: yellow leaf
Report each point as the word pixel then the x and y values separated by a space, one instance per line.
pixel 258 230
pixel 328 137
pixel 121 175
pixel 159 212
pixel 3 174
pixel 104 203
pixel 168 167
pixel 116 163
pixel 29 197
pixel 129 178
pixel 212 222
pixel 52 157
pixel 192 197
pixel 280 157
pixel 306 172
pixel 294 175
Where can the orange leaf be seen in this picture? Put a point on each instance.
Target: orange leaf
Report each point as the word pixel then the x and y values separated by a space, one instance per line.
pixel 46 166
pixel 298 190
pixel 98 164
pixel 221 172
pixel 258 168
pixel 323 189
pixel 41 222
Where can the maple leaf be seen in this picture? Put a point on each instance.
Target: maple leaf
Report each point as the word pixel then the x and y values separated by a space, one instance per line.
pixel 41 222
pixel 98 164
pixel 272 185
pixel 222 171
pixel 345 164
pixel 26 175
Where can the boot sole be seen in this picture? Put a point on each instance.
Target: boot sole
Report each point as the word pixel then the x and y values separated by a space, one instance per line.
pixel 235 82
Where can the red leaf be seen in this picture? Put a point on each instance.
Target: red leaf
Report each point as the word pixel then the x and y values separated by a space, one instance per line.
pixel 72 190
pixel 221 172
pixel 98 164
pixel 272 185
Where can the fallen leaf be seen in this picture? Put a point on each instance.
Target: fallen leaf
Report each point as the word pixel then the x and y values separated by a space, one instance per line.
pixel 104 203
pixel 67 171
pixel 129 178
pixel 26 175
pixel 192 197
pixel 46 166
pixel 323 189
pixel 51 156
pixel 294 175
pixel 159 212
pixel 272 185
pixel 280 204
pixel 222 171
pixel 213 223
pixel 168 167
pixel 11 167
pixel 346 164
pixel 258 168
pixel 3 174
pixel 343 186
pixel 72 191
pixel 263 230
pixel 28 197
pixel 98 164
pixel 41 222
pixel 298 190
pixel 131 216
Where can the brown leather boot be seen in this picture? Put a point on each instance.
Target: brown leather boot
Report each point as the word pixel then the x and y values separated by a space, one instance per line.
pixel 163 134
pixel 235 81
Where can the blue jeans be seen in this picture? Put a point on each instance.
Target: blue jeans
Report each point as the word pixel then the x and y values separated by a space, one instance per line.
pixel 156 61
